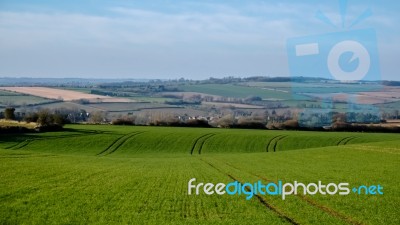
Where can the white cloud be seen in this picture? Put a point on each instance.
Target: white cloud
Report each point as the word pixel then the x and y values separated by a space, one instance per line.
pixel 222 41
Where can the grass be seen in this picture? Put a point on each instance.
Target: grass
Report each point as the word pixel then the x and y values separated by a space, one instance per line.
pixel 12 123
pixel 119 175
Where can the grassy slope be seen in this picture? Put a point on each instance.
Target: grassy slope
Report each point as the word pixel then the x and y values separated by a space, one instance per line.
pixel 58 177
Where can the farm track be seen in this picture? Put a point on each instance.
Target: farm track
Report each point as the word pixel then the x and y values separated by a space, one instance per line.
pixel 115 145
pixel 324 208
pixel 259 198
pixel 200 142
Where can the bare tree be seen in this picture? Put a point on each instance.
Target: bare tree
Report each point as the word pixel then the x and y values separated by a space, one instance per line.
pixel 226 121
pixel 97 117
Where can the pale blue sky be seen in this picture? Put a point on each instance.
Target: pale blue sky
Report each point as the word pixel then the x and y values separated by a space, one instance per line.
pixel 175 38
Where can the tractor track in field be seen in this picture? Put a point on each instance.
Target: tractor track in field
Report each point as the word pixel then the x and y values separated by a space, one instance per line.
pixel 269 143
pixel 198 140
pixel 15 145
pixel 348 140
pixel 344 141
pixel 24 143
pixel 21 144
pixel 324 208
pixel 273 143
pixel 204 141
pixel 330 211
pixel 276 142
pixel 115 145
pixel 259 198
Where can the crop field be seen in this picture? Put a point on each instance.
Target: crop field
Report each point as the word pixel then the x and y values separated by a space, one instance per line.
pixel 126 107
pixel 19 100
pixel 8 98
pixel 100 174
pixel 237 91
pixel 151 99
pixel 66 95
pixel 319 87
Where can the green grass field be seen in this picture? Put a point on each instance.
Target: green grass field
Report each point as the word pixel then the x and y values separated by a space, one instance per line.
pixel 91 174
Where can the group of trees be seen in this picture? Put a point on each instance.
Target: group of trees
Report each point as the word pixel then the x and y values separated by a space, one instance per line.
pixel 47 119
pixel 286 120
pixel 44 118
pixel 157 120
pixel 9 114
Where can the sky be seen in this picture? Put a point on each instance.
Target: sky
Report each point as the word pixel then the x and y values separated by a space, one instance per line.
pixel 168 39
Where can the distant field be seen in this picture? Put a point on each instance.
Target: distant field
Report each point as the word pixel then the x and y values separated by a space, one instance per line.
pixel 67 105
pixel 228 105
pixel 236 91
pixel 116 174
pixel 66 95
pixel 83 90
pixel 123 107
pixel 317 87
pixel 150 99
pixel 390 105
pixel 9 93
pixel 361 98
pixel 9 98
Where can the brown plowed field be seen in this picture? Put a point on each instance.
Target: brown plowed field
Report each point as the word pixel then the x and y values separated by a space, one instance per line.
pixel 65 95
